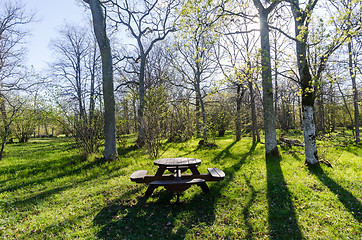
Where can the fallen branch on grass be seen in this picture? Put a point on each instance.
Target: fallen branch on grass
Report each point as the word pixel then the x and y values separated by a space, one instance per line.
pixel 291 142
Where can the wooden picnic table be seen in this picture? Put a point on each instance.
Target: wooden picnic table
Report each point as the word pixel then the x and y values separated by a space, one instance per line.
pixel 176 181
pixel 177 165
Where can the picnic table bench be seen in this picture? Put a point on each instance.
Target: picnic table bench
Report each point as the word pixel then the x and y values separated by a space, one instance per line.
pixel 177 181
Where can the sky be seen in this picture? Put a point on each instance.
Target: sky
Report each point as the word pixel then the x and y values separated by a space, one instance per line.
pixel 51 15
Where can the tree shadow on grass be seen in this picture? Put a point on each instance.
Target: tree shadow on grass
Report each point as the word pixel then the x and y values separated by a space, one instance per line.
pixel 226 152
pixel 246 210
pixel 127 150
pixel 161 219
pixel 354 149
pixel 282 218
pixel 34 198
pixel 349 201
pixel 62 167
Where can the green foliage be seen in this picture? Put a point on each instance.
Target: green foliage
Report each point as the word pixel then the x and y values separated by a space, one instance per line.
pixel 181 126
pixel 220 115
pixel 48 191
pixel 24 125
pixel 154 121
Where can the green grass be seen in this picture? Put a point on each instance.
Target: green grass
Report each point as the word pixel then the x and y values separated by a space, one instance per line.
pixel 48 191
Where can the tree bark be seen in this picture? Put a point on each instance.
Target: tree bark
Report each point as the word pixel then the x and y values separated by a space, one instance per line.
pixel 141 93
pixel 276 79
pixel 256 137
pixel 197 109
pixel 271 147
pixel 238 118
pixel 99 24
pixel 352 74
pixel 202 105
pixel 332 108
pixel 90 131
pixel 306 81
pixel 6 125
pixel 321 127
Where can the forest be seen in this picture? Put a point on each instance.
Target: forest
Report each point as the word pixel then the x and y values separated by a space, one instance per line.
pixel 267 91
pixel 179 69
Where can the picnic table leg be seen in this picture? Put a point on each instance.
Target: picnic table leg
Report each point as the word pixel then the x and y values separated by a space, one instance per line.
pixel 151 188
pixel 203 185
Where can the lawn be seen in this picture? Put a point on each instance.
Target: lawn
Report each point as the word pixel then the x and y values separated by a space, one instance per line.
pixel 47 191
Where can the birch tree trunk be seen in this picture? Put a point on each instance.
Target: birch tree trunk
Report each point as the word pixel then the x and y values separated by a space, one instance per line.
pixel 301 33
pixel 99 24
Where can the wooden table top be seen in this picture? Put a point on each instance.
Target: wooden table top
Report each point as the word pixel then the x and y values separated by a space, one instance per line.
pixel 173 162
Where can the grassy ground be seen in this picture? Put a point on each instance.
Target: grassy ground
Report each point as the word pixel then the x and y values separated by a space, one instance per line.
pixel 48 191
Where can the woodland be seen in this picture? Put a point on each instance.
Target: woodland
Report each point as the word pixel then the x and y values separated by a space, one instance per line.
pixel 267 91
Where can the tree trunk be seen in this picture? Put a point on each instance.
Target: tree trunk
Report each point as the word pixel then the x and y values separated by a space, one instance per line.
pixel 321 128
pixel 135 119
pixel 256 137
pixel 352 73
pixel 332 109
pixel 271 148
pixel 99 24
pixel 203 112
pixel 79 88
pixel 91 122
pixel 346 105
pixel 197 109
pixel 46 128
pixel 311 155
pixel 238 119
pixel 6 125
pixel 276 80
pixel 141 93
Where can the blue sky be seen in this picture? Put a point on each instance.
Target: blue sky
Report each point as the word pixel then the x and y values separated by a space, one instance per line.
pixel 51 15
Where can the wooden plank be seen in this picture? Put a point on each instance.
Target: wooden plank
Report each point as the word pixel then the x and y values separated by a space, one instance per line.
pixel 138 175
pixel 177 182
pixel 167 177
pixel 216 173
pixel 169 162
pixel 205 176
pixel 220 172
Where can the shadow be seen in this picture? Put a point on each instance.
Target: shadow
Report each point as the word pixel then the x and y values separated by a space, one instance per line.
pixel 35 167
pixel 245 212
pixel 282 218
pixel 63 167
pixel 159 217
pixel 226 152
pixel 34 198
pixel 349 201
pixel 126 151
pixel 190 152
pixel 153 220
pixel 354 149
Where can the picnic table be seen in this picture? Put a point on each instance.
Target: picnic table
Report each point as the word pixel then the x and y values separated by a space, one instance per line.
pixel 177 181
